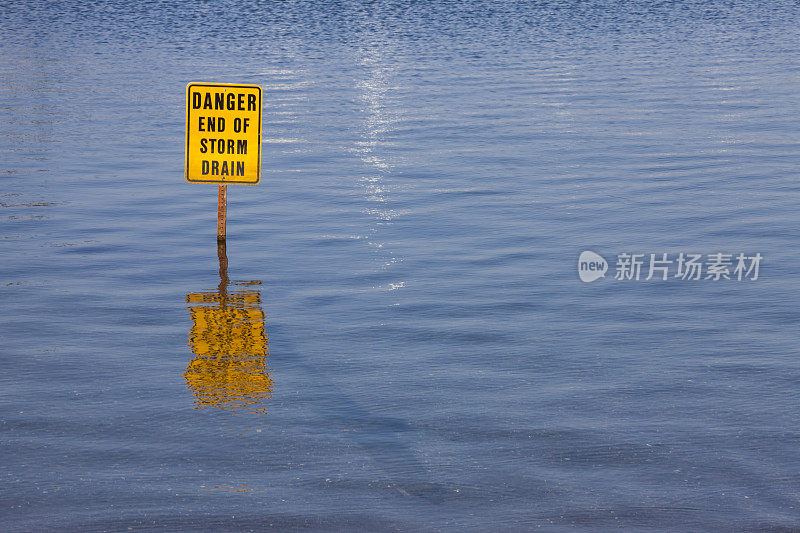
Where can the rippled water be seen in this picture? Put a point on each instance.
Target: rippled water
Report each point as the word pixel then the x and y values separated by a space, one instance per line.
pixel 396 336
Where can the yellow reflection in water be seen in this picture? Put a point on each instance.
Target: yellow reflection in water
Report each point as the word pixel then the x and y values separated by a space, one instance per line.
pixel 229 370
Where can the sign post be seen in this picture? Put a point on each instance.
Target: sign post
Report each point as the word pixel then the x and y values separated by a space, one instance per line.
pixel 223 138
pixel 222 212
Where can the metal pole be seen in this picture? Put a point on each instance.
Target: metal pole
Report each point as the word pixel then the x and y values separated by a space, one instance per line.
pixel 222 212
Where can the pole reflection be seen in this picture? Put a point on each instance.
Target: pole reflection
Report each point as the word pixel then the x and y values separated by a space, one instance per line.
pixel 229 370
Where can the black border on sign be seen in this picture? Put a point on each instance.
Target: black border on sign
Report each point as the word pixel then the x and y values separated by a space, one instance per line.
pixel 188 111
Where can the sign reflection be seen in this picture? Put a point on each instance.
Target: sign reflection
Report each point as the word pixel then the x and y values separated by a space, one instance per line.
pixel 229 370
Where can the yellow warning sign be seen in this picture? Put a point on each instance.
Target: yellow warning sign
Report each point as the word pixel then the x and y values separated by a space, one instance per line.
pixel 223 133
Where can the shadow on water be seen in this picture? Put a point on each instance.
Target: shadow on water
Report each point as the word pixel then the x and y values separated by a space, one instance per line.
pixel 229 370
pixel 384 439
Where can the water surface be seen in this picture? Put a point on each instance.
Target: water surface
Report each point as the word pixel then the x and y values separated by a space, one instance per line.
pixel 395 337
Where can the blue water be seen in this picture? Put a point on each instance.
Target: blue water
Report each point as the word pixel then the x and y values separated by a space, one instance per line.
pixel 431 172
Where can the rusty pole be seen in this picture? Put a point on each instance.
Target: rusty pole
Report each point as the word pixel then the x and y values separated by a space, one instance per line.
pixel 222 212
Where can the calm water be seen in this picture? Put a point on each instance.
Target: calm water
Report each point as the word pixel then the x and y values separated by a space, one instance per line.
pixel 400 340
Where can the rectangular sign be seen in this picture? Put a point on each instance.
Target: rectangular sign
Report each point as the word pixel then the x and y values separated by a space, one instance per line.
pixel 223 133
